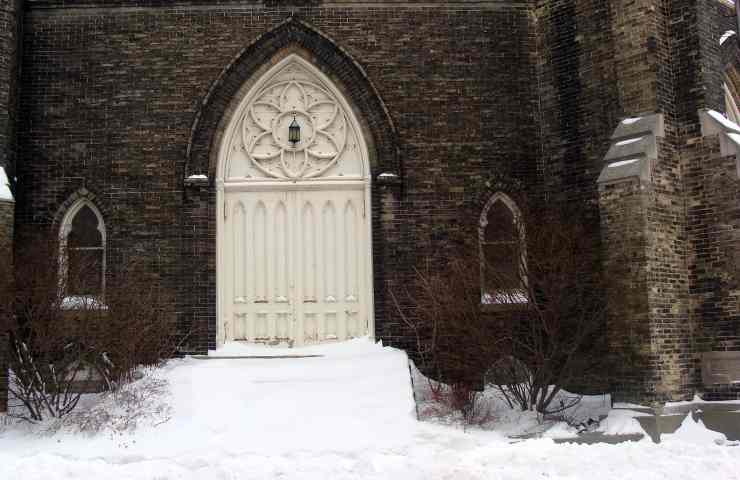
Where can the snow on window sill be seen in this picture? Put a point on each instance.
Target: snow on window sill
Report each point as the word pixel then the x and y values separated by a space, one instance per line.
pixel 505 300
pixel 82 302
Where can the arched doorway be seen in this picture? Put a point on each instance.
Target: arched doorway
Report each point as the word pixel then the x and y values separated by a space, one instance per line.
pixel 293 217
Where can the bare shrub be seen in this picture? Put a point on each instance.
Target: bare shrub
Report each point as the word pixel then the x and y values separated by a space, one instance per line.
pixel 458 399
pixel 542 327
pixel 455 341
pixel 124 409
pixel 61 346
pixel 560 331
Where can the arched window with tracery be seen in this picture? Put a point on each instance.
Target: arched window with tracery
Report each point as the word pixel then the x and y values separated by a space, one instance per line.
pixel 501 251
pixel 82 250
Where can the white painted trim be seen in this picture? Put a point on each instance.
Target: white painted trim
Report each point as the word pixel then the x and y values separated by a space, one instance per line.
pixel 288 186
pixel 732 112
pixel 66 227
pixel 265 184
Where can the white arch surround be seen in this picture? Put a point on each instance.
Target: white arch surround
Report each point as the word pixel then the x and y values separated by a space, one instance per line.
pixel 66 227
pixel 255 148
pixel 257 165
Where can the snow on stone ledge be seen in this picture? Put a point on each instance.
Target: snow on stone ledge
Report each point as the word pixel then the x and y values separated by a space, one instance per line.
pixel 726 35
pixel 5 193
pixel 724 121
pixel 623 163
pixel 197 180
pixel 622 143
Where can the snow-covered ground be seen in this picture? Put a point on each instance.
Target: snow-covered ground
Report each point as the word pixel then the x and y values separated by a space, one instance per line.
pixel 346 415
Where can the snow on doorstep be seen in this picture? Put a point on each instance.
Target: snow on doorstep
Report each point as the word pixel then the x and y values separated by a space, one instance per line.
pixel 356 346
pixel 730 125
pixel 622 143
pixel 725 36
pixel 623 162
pixel 5 193
pixel 630 121
pixel 387 175
pixel 197 177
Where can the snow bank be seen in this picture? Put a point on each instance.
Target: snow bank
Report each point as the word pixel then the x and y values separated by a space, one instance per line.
pixel 622 422
pixel 694 432
pixel 347 415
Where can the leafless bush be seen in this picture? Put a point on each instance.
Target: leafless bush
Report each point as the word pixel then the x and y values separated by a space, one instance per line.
pixel 124 409
pixel 458 399
pixel 542 328
pixel 61 346
pixel 560 331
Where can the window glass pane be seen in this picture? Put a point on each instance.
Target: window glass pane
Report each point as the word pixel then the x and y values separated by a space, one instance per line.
pixel 85 272
pixel 502 266
pixel 85 231
pixel 501 225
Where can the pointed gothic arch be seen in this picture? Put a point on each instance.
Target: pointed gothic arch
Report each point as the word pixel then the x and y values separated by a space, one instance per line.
pixel 82 249
pixel 501 242
pixel 292 37
pixel 272 287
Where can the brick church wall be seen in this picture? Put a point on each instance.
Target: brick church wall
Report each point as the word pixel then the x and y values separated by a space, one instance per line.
pixel 9 13
pixel 712 190
pixel 529 91
pixel 604 61
pixel 7 210
pixel 600 62
pixel 110 94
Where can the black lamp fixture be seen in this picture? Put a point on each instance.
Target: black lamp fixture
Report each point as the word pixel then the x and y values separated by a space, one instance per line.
pixel 294 132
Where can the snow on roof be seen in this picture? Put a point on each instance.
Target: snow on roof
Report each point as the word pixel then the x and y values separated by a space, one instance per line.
pixel 726 35
pixel 630 121
pixel 5 193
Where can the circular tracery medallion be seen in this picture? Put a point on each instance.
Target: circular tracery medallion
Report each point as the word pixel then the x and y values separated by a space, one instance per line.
pixel 322 122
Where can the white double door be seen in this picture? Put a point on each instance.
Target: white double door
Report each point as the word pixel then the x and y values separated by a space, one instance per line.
pixel 296 265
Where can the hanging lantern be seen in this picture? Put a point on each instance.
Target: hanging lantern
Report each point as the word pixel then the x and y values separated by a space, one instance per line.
pixel 294 132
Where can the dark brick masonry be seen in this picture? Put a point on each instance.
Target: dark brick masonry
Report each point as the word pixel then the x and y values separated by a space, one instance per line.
pixel 121 101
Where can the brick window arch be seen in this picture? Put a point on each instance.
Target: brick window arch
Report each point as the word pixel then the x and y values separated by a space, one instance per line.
pixel 82 261
pixel 501 240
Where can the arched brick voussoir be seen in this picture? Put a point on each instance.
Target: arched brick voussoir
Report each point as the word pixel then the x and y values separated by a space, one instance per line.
pixel 292 36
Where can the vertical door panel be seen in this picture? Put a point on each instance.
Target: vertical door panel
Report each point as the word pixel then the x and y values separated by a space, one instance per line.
pixel 294 266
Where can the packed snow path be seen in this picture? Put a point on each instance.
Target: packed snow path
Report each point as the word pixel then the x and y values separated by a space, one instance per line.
pixel 346 415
